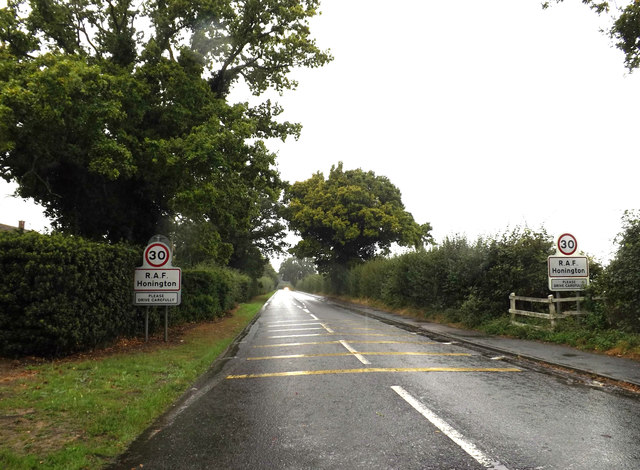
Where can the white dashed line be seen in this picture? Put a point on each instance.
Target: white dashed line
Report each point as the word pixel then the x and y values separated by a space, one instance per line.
pixel 360 357
pixel 450 432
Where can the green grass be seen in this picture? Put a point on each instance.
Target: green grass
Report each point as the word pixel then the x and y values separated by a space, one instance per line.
pixel 573 333
pixel 589 334
pixel 80 414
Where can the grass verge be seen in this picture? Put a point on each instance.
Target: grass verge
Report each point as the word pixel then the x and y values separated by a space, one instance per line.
pixel 586 335
pixel 80 412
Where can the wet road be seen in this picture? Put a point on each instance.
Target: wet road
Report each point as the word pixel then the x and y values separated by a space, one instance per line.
pixel 315 386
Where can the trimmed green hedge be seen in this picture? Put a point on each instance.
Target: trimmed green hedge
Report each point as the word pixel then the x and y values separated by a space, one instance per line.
pixel 210 292
pixel 472 281
pixel 62 294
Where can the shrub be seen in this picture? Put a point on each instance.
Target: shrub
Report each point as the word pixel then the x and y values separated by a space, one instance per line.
pixel 315 283
pixel 61 294
pixel 620 283
pixel 209 291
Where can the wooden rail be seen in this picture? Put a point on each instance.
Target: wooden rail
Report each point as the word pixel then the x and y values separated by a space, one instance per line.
pixel 555 310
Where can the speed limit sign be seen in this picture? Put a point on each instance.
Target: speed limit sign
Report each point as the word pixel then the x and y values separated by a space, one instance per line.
pixel 567 244
pixel 157 255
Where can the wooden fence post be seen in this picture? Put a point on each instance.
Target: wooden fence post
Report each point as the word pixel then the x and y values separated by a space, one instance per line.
pixel 552 312
pixel 512 304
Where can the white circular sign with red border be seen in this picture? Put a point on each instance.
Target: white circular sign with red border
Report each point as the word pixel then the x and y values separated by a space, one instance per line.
pixel 567 244
pixel 157 255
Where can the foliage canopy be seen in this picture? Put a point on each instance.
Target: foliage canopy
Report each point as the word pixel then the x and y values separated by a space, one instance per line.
pixel 295 269
pixel 115 114
pixel 349 217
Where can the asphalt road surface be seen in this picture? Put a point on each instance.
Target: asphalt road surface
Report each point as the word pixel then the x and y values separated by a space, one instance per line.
pixel 314 386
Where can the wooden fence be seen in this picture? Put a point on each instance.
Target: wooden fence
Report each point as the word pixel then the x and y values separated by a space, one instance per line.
pixel 555 309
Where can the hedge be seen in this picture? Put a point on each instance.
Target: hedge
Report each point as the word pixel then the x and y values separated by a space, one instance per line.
pixel 62 294
pixel 472 281
pixel 210 292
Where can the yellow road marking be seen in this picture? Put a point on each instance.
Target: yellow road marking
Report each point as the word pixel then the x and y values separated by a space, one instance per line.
pixel 278 345
pixel 297 329
pixel 370 370
pixel 334 334
pixel 374 353
pixel 289 321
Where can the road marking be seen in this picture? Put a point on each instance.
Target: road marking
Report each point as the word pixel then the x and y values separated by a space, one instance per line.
pixel 374 353
pixel 450 432
pixel 329 330
pixel 370 370
pixel 268 321
pixel 297 329
pixel 311 343
pixel 362 359
pixel 334 334
pixel 313 316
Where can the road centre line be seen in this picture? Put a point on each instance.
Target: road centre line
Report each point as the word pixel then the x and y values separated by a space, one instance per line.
pixel 329 330
pixel 311 343
pixel 361 358
pixel 450 432
pixel 371 370
pixel 370 353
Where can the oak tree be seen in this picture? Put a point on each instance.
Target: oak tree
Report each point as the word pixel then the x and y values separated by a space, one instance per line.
pixel 115 114
pixel 348 218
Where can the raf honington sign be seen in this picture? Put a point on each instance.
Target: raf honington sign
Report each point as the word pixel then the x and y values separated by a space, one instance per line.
pixel 157 282
pixel 568 266
pixel 568 273
pixel 157 279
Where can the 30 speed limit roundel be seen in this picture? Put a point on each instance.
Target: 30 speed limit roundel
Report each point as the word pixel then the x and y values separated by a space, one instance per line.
pixel 157 255
pixel 567 244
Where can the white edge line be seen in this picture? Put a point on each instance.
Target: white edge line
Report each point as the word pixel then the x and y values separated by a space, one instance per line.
pixel 313 316
pixel 446 429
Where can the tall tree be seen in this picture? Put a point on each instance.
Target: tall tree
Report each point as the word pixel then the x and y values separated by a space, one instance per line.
pixel 348 218
pixel 295 269
pixel 114 114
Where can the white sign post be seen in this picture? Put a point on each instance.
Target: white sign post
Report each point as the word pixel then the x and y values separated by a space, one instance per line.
pixel 157 282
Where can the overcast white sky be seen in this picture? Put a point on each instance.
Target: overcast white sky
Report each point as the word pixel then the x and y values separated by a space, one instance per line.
pixel 486 115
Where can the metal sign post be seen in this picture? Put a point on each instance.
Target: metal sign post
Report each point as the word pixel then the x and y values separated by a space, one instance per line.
pixel 166 324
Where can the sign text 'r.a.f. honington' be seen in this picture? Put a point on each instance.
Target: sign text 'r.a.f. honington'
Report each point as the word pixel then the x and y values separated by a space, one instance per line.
pixel 568 266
